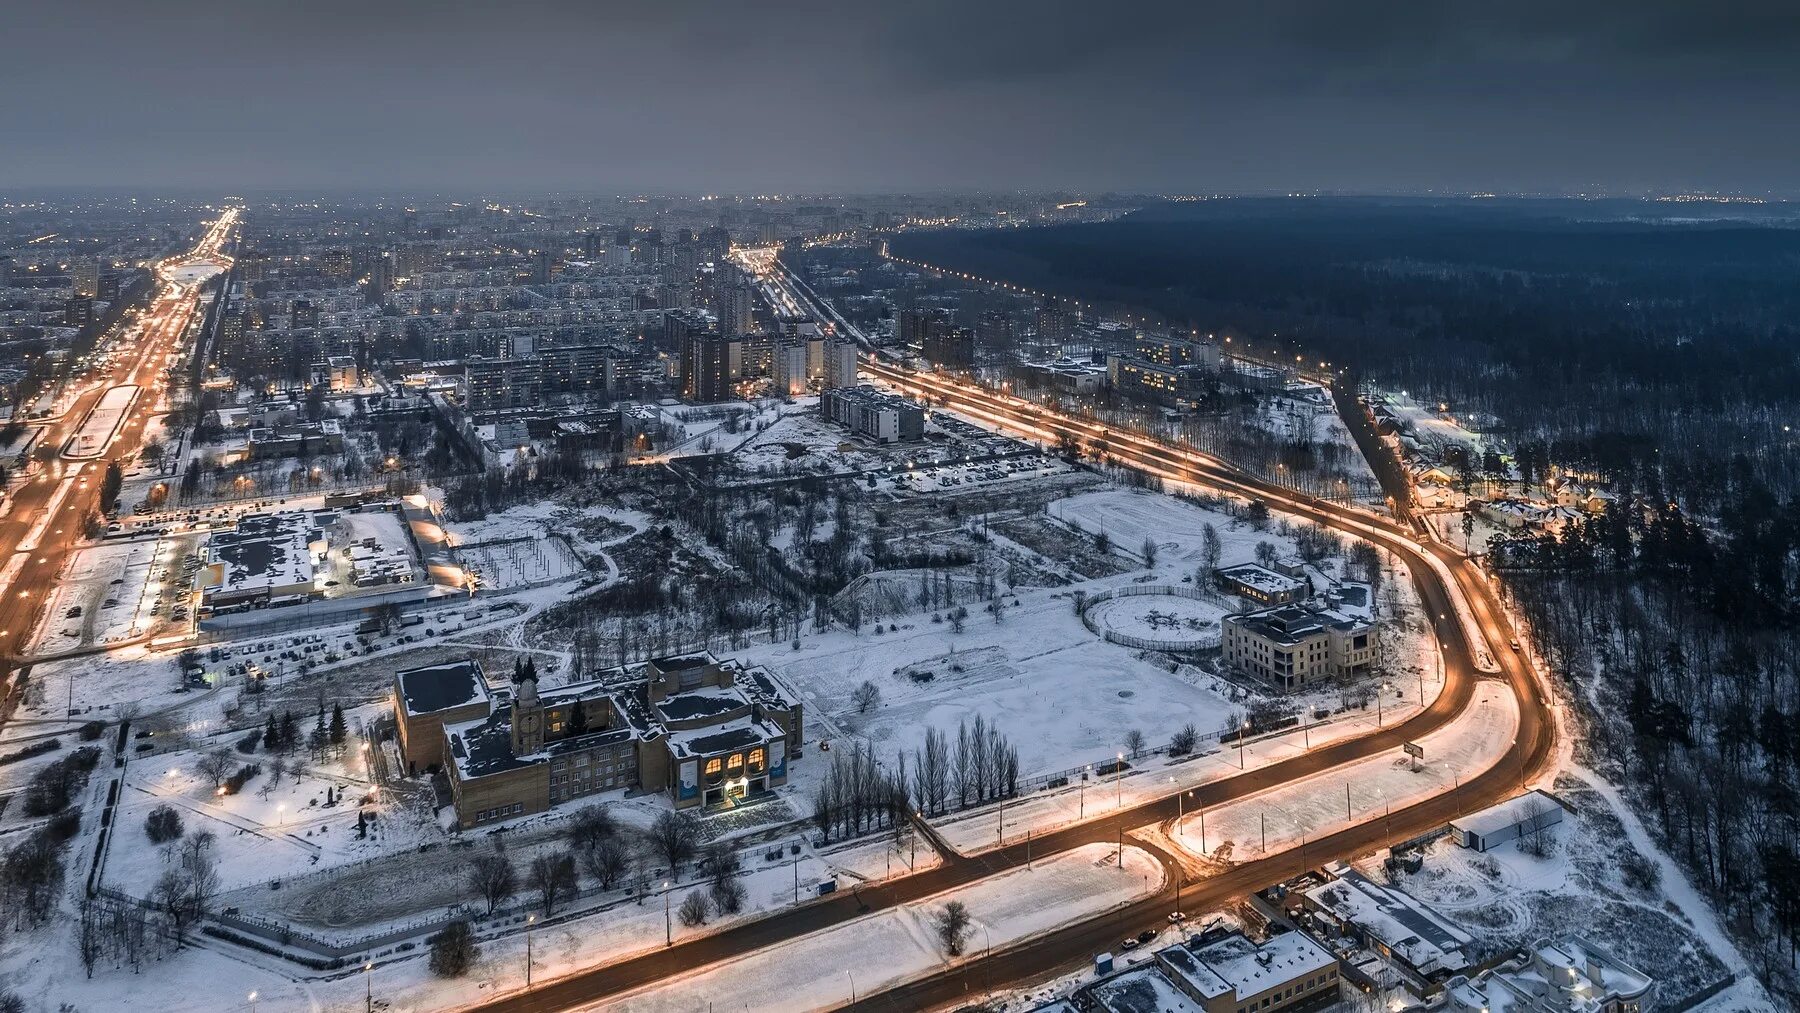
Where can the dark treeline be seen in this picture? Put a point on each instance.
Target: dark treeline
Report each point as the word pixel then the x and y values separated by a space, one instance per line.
pixel 1633 340
pixel 1568 320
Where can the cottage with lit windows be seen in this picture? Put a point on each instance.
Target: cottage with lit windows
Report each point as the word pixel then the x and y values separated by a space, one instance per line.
pixel 706 731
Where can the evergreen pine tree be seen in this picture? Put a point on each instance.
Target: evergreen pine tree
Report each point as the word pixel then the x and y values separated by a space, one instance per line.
pixel 339 732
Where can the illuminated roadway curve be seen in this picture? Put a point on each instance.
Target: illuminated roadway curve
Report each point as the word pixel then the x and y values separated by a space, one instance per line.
pixel 1443 579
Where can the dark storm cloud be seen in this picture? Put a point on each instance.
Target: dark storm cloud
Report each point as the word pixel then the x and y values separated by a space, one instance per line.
pixel 691 95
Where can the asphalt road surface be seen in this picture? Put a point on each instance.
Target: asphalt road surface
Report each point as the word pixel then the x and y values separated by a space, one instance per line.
pixel 1529 751
pixel 50 511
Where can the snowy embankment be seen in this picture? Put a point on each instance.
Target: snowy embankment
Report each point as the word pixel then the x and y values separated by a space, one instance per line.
pixel 1159 776
pixel 1289 816
pixel 821 970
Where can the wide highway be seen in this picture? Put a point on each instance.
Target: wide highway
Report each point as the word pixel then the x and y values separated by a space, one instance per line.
pixel 48 514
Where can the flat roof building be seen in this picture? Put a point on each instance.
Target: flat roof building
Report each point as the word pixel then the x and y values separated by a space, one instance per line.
pixel 1260 584
pixel 1567 975
pixel 1217 972
pixel 1294 645
pixel 884 418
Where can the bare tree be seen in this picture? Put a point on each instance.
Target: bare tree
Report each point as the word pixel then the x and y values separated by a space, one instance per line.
pixel 606 862
pixel 553 877
pixel 216 766
pixel 674 838
pixel 593 825
pixel 90 935
pixel 727 890
pixel 492 876
pixel 1149 552
pixel 953 927
pixel 866 697
pixel 453 950
pixel 1134 743
pixel 931 771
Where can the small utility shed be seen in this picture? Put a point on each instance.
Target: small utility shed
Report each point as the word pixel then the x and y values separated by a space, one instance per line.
pixel 1532 812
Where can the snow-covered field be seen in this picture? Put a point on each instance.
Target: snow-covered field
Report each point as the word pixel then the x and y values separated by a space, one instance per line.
pixel 1288 816
pixel 1178 528
pixel 1063 696
pixel 1158 776
pixel 266 832
pixel 821 970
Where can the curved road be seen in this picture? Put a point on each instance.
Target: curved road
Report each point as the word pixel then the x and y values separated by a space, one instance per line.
pixel 1530 750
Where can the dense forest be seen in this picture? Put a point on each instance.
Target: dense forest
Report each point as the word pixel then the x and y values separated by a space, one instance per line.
pixel 1653 344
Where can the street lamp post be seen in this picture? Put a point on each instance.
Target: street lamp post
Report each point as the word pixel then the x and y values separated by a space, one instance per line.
pixel 252 998
pixel 1119 781
pixel 669 926
pixel 368 987
pixel 529 920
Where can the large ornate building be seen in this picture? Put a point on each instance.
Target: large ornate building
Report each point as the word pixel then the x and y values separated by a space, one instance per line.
pixel 706 731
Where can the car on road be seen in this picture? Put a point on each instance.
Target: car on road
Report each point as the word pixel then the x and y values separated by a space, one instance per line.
pixel 1129 943
pixel 1146 935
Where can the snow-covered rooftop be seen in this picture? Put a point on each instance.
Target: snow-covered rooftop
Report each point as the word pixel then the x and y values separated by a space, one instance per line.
pixel 441 687
pixel 1404 924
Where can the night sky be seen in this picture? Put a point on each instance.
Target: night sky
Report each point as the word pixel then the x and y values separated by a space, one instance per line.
pixel 685 96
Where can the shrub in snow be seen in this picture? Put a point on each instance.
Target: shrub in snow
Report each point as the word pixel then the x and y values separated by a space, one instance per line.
pixel 65 825
pixel 163 825
pixel 728 894
pixel 453 950
pixel 695 909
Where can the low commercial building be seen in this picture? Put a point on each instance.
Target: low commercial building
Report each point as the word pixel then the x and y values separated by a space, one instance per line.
pixel 1217 972
pixel 265 558
pixel 1072 376
pixel 707 732
pixel 1568 975
pixel 1423 945
pixel 1261 584
pixel 301 439
pixel 338 373
pixel 884 418
pixel 1294 645
pixel 1524 816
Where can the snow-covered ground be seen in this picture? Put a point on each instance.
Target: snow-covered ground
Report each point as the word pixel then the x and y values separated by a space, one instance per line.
pixel 1288 816
pixel 822 970
pixel 267 831
pixel 1592 879
pixel 1178 528
pixel 1063 696
pixel 1158 776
